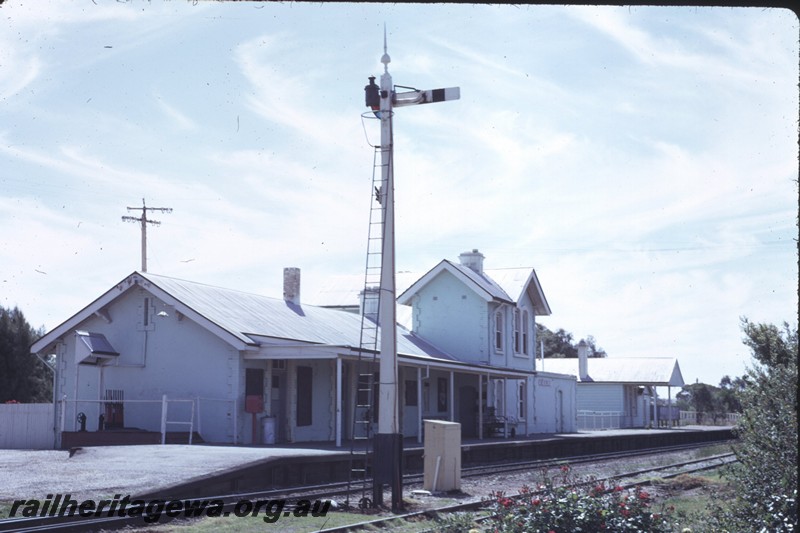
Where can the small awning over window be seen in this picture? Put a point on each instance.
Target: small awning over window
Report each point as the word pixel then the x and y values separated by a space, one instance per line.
pixel 93 348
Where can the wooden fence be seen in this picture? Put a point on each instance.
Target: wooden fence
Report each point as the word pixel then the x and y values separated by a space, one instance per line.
pixel 27 426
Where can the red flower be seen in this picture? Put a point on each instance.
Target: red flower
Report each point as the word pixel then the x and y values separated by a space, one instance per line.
pixel 536 501
pixel 565 468
pixel 643 495
pixel 617 489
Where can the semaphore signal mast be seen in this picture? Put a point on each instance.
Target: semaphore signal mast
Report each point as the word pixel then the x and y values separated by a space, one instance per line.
pixel 389 439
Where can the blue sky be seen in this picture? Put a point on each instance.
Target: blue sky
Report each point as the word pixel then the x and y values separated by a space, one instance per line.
pixel 643 159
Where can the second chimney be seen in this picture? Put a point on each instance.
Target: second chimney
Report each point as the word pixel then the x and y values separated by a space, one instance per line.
pixel 291 285
pixel 583 361
pixel 472 260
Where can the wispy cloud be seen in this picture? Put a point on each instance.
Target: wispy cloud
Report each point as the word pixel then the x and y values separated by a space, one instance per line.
pixel 178 118
pixel 644 165
pixel 17 72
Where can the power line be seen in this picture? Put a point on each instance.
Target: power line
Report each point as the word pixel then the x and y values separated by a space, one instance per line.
pixel 144 222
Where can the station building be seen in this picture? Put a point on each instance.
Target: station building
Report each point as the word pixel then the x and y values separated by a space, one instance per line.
pixel 158 354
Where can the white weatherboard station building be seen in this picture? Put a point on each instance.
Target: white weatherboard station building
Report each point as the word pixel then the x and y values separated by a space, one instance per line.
pixel 618 392
pixel 225 360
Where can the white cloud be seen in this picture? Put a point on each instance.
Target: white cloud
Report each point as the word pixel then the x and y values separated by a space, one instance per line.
pixel 645 169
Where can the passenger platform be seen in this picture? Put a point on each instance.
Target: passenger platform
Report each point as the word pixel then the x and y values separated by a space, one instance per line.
pixel 158 471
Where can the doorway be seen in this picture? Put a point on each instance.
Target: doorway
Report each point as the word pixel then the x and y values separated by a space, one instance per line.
pixel 468 410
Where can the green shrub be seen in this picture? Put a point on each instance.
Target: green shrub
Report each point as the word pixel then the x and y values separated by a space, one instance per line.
pixel 765 478
pixel 563 504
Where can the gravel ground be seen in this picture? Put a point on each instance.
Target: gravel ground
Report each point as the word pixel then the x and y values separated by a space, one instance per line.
pixel 477 488
pixel 97 472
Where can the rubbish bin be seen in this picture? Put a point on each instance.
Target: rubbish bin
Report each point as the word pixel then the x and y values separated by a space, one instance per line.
pixel 268 429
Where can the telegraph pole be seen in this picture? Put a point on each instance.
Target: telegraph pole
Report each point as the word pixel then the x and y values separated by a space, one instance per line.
pixel 389 439
pixel 145 221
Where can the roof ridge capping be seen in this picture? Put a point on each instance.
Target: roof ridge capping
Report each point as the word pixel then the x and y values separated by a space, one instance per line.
pixel 147 275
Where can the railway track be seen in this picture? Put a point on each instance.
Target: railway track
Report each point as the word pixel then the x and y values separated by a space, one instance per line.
pixel 474 506
pixel 227 503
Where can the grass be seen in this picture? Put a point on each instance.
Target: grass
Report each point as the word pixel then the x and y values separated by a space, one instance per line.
pixel 5 507
pixel 693 496
pixel 290 524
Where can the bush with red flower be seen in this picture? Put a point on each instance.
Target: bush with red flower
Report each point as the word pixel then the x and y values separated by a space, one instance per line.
pixel 562 503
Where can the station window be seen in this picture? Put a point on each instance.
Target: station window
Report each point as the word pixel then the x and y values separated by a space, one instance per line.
pixel 411 393
pixel 525 332
pixel 145 322
pixel 498 331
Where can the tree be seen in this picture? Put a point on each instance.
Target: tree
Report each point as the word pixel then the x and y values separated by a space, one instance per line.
pixel 710 400
pixel 559 344
pixel 23 377
pixel 765 477
pixel 727 398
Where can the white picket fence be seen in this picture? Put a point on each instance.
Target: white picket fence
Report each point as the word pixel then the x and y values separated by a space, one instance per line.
pixel 708 419
pixel 27 426
pixel 600 420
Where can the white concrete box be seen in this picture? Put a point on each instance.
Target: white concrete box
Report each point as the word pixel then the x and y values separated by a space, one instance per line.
pixel 442 461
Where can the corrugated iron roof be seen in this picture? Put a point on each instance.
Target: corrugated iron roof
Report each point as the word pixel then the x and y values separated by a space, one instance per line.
pixel 506 284
pixel 246 315
pixel 484 282
pixel 661 371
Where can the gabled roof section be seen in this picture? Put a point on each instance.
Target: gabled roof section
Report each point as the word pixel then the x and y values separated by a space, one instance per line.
pixel 243 319
pixel 655 371
pixel 503 285
pixel 146 282
pixel 519 281
pixel 483 286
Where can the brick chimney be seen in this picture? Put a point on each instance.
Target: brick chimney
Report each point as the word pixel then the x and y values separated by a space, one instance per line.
pixel 291 285
pixel 472 260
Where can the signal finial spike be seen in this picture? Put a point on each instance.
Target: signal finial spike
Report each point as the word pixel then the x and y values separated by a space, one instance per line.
pixel 385 59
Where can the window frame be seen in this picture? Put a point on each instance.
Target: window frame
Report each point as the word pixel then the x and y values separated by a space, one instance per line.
pixel 499 333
